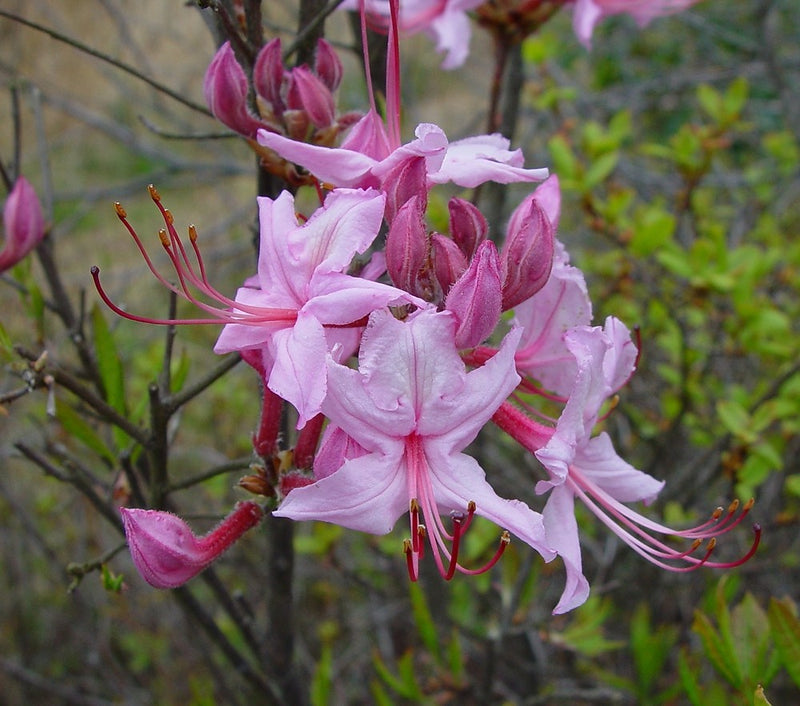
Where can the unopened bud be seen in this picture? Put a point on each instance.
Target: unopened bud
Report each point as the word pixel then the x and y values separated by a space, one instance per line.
pixel 24 223
pixel 407 246
pixel 527 256
pixel 328 66
pixel 548 196
pixel 268 74
pixel 166 551
pixel 468 227
pixel 449 262
pixel 225 88
pixel 476 297
pixel 309 93
pixel 401 182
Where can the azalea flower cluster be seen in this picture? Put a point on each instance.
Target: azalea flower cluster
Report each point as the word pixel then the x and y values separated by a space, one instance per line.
pixel 395 354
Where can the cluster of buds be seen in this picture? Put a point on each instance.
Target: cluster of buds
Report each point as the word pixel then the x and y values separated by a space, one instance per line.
pixel 295 102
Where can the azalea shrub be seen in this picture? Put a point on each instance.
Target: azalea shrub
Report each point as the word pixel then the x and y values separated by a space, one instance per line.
pixel 500 414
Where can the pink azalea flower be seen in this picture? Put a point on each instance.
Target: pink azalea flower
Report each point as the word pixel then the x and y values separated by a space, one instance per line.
pixel 468 162
pixel 445 21
pixel 588 13
pixel 167 553
pixel 301 269
pixel 411 408
pixel 300 305
pixel 23 222
pixel 587 467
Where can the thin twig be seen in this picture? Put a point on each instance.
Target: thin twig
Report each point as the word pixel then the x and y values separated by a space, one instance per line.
pixel 105 410
pixel 176 401
pixel 195 609
pixel 236 465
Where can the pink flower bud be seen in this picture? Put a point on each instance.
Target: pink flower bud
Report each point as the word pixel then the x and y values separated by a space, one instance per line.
pixel 407 246
pixel 548 196
pixel 448 261
pixel 24 223
pixel 468 227
pixel 225 88
pixel 476 297
pixel 328 66
pixel 167 553
pixel 268 74
pixel 309 93
pixel 527 256
pixel 405 179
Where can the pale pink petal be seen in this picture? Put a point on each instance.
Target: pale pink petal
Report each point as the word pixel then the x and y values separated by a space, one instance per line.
pixel 337 166
pixel 561 532
pixel 367 494
pixel 598 461
pixel 475 160
pixel 347 224
pixel 562 304
pixel 457 479
pixel 298 373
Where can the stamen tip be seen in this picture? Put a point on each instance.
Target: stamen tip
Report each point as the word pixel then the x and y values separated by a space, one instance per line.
pixel 749 504
pixel 121 213
pixel 162 235
pixel 193 233
pixel 151 189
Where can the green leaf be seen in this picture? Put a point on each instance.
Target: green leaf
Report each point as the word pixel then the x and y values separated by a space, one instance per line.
pixel 785 628
pixel 736 419
pixel 322 680
pixel 792 484
pixel 78 429
pixel 424 620
pixel 689 681
pixel 564 161
pixel 716 649
pixel 109 364
pixel 735 98
pixel 711 102
pixel 654 228
pixel 600 169
pixel 759 698
pixel 650 647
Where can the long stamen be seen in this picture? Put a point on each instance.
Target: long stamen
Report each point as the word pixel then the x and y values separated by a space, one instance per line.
pixel 505 540
pixel 632 528
pixel 190 276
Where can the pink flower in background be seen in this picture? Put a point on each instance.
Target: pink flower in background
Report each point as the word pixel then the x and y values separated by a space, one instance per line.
pixel 468 162
pixel 411 408
pixel 23 222
pixel 445 21
pixel 587 13
pixel 167 553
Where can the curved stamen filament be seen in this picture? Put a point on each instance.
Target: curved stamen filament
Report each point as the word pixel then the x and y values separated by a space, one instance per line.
pixel 190 277
pixel 445 545
pixel 634 529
